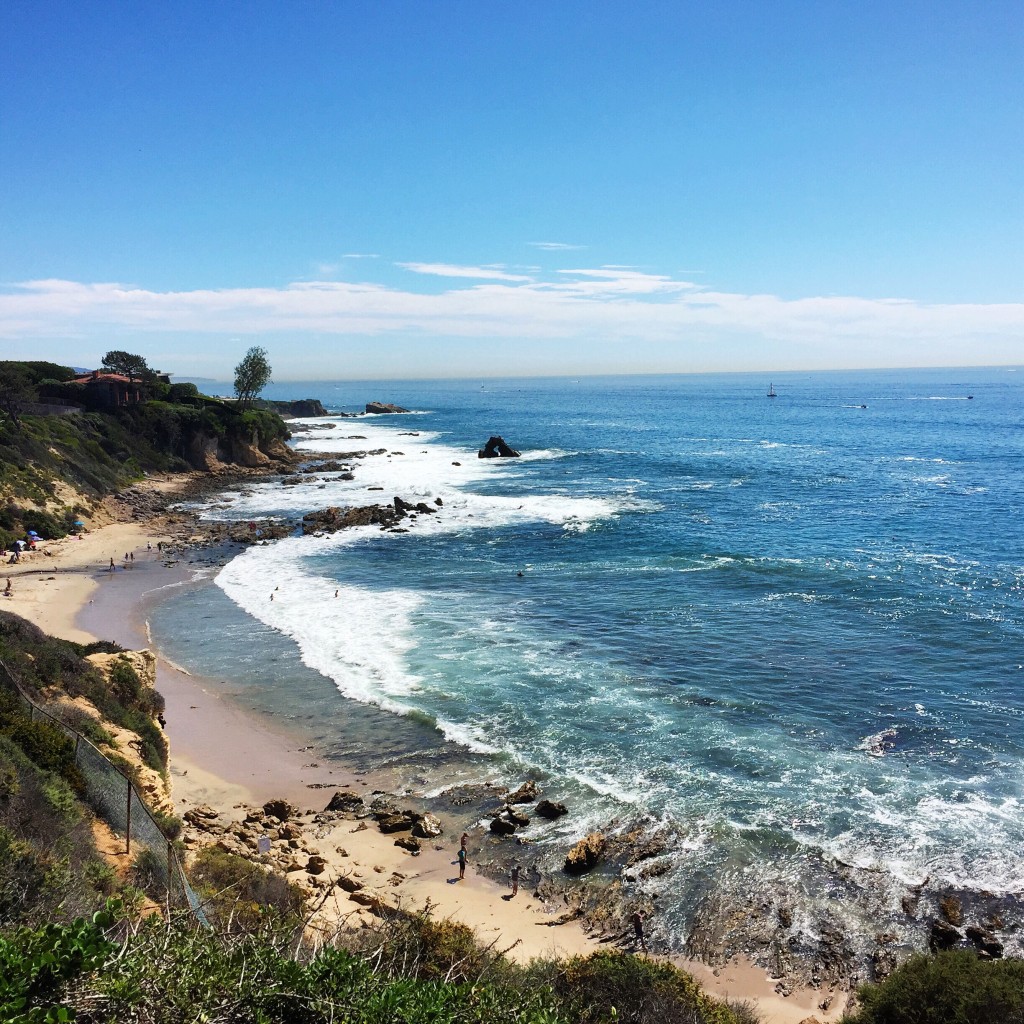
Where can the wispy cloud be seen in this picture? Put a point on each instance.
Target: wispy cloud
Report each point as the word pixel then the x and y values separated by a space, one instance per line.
pixel 491 272
pixel 623 311
pixel 361 256
pixel 555 246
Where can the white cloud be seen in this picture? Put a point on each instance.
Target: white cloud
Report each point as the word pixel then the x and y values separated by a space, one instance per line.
pixel 555 246
pixel 490 272
pixel 621 314
pixel 361 256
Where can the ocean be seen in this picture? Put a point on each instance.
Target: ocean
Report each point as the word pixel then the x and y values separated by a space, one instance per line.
pixel 789 630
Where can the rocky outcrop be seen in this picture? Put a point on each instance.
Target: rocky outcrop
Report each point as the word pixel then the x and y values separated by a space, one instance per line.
pixel 551 811
pixel 527 793
pixel 382 408
pixel 301 407
pixel 280 809
pixel 332 519
pixel 428 827
pixel 497 448
pixel 584 856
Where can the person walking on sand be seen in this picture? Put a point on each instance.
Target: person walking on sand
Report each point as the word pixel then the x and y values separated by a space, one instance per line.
pixel 111 569
pixel 464 840
pixel 7 589
pixel 638 929
pixel 462 863
pixel 515 878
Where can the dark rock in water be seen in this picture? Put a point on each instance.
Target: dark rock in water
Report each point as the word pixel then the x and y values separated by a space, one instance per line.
pixel 585 854
pixel 517 818
pixel 382 408
pixel 548 809
pixel 952 909
pixel 408 843
pixel 525 794
pixel 395 823
pixel 345 802
pixel 428 827
pixel 497 448
pixel 985 941
pixel 279 809
pixel 943 936
pixel 438 502
pixel 501 826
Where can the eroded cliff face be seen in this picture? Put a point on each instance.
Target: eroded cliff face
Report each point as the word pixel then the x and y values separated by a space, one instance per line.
pixel 211 454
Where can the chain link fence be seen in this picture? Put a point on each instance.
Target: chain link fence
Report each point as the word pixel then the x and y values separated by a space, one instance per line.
pixel 114 798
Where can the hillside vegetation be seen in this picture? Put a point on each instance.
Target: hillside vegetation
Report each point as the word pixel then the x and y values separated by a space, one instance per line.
pixel 59 452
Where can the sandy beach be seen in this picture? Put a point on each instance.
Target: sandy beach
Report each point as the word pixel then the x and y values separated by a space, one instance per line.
pixel 229 759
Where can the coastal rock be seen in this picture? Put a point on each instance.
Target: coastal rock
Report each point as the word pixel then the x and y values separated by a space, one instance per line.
pixel 985 941
pixel 347 802
pixel 281 809
pixel 501 826
pixel 409 843
pixel 527 793
pixel 316 865
pixel 551 811
pixel 952 909
pixel 585 854
pixel 428 827
pixel 497 448
pixel 382 806
pixel 943 936
pixel 395 823
pixel 517 818
pixel 381 408
pixel 349 883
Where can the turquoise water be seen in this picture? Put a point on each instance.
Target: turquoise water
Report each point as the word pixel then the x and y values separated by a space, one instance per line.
pixel 790 627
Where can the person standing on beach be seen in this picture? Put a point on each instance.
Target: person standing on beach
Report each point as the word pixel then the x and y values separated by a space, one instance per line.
pixel 515 878
pixel 465 839
pixel 462 863
pixel 638 929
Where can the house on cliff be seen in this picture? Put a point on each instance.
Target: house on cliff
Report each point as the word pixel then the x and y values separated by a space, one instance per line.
pixel 110 390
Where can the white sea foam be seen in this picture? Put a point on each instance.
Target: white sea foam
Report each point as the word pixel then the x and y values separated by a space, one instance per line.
pixel 361 638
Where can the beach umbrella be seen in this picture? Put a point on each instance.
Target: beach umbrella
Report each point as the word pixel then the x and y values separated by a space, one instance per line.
pixel 32 533
pixel 79 522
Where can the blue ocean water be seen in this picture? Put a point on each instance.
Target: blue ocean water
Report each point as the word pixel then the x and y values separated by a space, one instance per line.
pixel 789 627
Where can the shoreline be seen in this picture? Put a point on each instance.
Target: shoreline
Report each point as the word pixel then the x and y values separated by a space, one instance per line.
pixel 213 738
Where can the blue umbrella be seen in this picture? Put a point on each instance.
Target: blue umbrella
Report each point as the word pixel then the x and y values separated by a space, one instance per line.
pixel 78 522
pixel 32 533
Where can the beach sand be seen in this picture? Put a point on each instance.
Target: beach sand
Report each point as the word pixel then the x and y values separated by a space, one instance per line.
pixel 228 758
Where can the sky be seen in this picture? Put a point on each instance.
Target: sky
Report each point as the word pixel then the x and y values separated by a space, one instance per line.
pixel 400 189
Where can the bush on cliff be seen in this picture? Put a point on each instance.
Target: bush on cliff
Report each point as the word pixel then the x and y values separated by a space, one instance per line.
pixel 953 987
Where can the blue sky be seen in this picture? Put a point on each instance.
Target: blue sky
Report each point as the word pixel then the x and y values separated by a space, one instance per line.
pixel 408 189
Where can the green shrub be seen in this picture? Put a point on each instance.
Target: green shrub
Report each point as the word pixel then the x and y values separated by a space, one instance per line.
pixel 634 990
pixel 239 893
pixel 953 987
pixel 48 527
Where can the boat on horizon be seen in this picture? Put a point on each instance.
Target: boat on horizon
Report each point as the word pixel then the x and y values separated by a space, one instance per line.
pixel 771 391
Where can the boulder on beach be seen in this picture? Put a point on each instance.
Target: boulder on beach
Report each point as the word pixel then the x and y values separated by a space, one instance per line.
pixel 585 854
pixel 279 809
pixel 342 801
pixel 501 826
pixel 428 827
pixel 496 448
pixel 382 408
pixel 395 823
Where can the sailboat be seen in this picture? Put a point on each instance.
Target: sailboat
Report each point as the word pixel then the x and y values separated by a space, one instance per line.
pixel 771 391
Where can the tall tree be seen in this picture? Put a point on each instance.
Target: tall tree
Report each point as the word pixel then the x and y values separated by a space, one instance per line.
pixel 251 375
pixel 127 363
pixel 15 391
